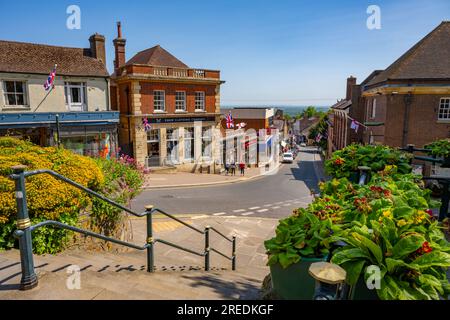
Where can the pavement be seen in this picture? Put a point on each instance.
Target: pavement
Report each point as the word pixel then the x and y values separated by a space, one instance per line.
pixel 185 179
pixel 178 276
pixel 274 195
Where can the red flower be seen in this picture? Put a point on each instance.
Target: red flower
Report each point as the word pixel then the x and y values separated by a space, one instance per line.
pixel 339 161
pixel 424 249
pixel 430 212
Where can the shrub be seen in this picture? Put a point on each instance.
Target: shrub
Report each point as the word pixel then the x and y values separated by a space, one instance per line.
pixel 48 198
pixel 346 161
pixel 440 148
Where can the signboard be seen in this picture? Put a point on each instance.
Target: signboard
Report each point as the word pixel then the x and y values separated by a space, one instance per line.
pixel 181 119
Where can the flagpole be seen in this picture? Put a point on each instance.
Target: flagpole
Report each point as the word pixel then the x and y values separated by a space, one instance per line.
pixel 48 93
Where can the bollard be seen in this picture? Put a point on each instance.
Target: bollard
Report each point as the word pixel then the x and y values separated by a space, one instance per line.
pixel 233 255
pixel 150 241
pixel 29 279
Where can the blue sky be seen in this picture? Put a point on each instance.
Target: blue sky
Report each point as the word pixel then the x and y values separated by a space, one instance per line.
pixel 270 52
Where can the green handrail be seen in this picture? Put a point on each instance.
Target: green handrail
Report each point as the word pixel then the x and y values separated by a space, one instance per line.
pixel 25 228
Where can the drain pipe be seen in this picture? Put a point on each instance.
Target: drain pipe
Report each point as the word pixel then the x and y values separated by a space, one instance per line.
pixel 408 101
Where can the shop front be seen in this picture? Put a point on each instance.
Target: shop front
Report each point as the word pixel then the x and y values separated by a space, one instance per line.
pixel 89 133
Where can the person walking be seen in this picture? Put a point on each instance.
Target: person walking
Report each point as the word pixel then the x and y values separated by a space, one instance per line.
pixel 242 167
pixel 233 168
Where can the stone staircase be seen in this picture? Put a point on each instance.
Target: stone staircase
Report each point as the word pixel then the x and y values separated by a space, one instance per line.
pixel 178 275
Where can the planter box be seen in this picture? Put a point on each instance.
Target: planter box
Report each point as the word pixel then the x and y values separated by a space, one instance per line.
pixel 294 282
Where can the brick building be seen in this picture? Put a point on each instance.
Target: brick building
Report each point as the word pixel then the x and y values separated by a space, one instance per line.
pixel 409 102
pixel 181 106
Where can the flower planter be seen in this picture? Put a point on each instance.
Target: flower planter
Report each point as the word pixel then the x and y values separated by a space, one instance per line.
pixel 294 282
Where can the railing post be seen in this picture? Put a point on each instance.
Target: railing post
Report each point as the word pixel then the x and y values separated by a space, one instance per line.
pixel 207 248
pixel 233 255
pixel 443 213
pixel 150 241
pixel 29 279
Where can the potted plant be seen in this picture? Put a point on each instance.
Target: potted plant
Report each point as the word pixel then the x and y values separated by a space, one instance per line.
pixel 300 240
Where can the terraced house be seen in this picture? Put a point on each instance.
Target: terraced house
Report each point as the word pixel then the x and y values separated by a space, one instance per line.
pixel 76 110
pixel 168 112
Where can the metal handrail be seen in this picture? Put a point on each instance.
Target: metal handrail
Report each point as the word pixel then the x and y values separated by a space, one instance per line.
pixel 25 228
pixel 223 255
pixel 177 220
pixel 221 234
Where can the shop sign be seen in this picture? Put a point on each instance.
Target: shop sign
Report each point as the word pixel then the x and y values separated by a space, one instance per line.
pixel 182 119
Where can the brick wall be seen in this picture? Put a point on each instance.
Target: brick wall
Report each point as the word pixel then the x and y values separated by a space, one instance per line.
pixel 170 89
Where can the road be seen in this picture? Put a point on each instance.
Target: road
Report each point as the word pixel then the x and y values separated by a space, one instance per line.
pixel 272 196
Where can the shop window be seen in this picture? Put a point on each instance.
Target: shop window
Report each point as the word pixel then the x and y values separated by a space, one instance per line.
pixel 153 148
pixel 15 93
pixel 180 101
pixel 172 145
pixel 206 143
pixel 199 101
pixel 189 143
pixel 444 109
pixel 76 98
pixel 159 100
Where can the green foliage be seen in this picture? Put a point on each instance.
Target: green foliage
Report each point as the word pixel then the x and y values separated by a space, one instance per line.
pixel 440 148
pixel 320 128
pixel 52 199
pixel 346 161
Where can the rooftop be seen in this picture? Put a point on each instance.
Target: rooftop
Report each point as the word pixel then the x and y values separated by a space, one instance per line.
pixel 22 57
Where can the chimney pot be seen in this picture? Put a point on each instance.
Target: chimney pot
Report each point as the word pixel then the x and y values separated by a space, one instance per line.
pixel 351 81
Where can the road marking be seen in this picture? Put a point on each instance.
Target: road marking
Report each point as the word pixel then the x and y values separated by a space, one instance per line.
pixel 254 208
pixel 287 205
pixel 268 205
pixel 240 210
pixel 199 217
pixel 276 207
pixel 219 214
pixel 279 202
pixel 248 213
pixel 263 210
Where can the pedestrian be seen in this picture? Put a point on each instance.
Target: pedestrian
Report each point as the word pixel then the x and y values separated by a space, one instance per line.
pixel 242 167
pixel 233 168
pixel 227 168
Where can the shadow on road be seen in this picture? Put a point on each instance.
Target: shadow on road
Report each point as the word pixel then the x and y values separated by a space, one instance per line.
pixel 305 172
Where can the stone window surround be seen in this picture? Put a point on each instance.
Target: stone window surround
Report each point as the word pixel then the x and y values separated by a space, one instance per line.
pixel 25 95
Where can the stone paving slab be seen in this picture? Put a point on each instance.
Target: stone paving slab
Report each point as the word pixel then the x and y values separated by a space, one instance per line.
pixel 179 275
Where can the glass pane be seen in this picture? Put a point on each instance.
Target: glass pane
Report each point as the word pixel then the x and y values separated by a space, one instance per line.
pixel 9 86
pixel 19 87
pixel 11 99
pixel 20 99
pixel 76 95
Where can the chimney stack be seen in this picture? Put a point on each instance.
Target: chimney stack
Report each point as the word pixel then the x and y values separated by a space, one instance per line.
pixel 98 52
pixel 119 46
pixel 351 81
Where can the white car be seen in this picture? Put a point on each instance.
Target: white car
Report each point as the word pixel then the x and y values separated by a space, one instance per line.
pixel 288 157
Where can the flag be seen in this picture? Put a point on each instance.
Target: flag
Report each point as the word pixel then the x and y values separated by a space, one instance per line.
pixel 50 80
pixel 230 122
pixel 318 138
pixel 241 125
pixel 355 126
pixel 147 126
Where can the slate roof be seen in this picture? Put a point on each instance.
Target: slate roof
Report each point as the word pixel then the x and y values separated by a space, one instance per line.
pixel 21 57
pixel 157 56
pixel 429 59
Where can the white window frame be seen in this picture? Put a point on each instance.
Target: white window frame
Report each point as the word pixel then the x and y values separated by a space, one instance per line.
pixel 189 140
pixel 180 103
pixel 207 137
pixel 151 139
pixel 444 109
pixel 25 94
pixel 200 104
pixel 163 100
pixel 77 106
pixel 374 108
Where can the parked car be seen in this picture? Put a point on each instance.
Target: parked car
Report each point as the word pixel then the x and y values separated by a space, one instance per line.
pixel 288 157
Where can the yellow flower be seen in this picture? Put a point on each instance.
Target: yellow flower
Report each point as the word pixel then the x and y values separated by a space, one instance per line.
pixel 387 214
pixel 401 223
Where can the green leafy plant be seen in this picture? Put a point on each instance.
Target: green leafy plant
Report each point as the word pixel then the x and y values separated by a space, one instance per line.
pixel 345 162
pixel 440 148
pixel 301 235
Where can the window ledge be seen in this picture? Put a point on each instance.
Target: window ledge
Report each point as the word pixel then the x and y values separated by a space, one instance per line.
pixel 14 108
pixel 181 111
pixel 443 121
pixel 159 111
pixel 200 111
